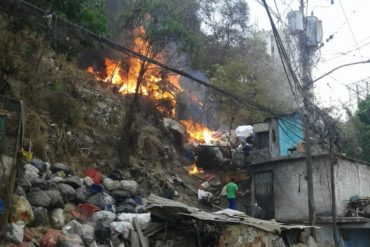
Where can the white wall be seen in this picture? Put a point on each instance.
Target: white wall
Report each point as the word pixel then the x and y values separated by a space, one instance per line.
pixel 290 186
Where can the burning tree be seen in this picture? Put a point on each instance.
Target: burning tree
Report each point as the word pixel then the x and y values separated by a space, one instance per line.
pixel 155 23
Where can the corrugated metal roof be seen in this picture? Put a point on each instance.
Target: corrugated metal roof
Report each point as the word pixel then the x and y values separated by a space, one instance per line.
pixel 173 210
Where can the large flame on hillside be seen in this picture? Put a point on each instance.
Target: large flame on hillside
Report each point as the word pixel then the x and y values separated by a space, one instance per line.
pixel 200 133
pixel 155 84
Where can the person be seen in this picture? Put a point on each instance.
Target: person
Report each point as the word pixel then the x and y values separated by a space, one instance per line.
pixel 231 189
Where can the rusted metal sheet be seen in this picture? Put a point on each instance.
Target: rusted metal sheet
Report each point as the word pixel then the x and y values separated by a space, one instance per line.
pixel 173 210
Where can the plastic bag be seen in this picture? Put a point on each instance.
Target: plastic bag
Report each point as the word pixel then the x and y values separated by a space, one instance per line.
pixel 122 227
pixel 22 209
pixel 15 231
pixel 143 219
pixel 106 217
pixel 130 185
pixel 57 218
pixel 50 238
pixel 244 131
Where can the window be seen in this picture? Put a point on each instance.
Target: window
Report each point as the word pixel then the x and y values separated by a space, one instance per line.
pixel 262 139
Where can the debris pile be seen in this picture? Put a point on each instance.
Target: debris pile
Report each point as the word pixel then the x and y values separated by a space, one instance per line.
pixel 358 206
pixel 52 206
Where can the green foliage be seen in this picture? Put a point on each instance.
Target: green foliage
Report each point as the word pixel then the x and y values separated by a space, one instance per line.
pixel 237 77
pixel 356 132
pixel 88 13
pixel 163 21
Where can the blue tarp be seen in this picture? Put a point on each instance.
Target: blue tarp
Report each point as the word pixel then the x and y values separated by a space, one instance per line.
pixel 290 132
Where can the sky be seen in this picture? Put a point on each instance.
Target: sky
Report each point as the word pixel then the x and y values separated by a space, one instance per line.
pixel 350 43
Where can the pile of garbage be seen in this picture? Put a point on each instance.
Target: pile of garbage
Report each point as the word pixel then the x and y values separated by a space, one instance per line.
pixel 68 210
pixel 358 206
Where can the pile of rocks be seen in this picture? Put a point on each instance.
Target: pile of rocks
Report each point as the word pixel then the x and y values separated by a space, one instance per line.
pixel 74 211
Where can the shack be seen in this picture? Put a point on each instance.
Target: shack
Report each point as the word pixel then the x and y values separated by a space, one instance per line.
pixel 279 186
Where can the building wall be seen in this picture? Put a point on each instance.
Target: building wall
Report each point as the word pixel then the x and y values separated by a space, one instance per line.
pixel 290 186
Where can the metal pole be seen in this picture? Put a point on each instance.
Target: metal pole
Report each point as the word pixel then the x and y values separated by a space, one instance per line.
pixel 307 82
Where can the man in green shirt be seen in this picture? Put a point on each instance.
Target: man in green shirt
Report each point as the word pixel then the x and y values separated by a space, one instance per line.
pixel 231 189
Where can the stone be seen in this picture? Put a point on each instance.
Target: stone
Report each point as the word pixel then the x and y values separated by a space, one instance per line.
pixel 38 198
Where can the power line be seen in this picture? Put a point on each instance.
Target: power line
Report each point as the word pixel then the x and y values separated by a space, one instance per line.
pixel 283 56
pixel 349 26
pixel 98 38
pixel 341 66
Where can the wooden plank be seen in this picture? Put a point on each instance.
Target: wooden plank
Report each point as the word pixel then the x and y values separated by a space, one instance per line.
pixel 142 238
pixel 135 242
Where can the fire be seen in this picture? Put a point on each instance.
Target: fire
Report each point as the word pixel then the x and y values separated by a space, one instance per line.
pixel 193 169
pixel 200 133
pixel 155 85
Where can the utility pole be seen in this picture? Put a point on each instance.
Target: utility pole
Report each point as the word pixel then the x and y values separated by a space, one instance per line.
pixel 307 82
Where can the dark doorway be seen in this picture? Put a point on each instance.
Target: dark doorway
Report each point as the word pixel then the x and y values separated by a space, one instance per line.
pixel 264 191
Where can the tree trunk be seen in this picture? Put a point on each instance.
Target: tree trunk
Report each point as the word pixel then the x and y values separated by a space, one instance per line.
pixel 127 136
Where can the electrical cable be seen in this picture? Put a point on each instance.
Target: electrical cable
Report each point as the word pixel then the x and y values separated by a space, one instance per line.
pixel 349 26
pixel 42 13
pixel 283 56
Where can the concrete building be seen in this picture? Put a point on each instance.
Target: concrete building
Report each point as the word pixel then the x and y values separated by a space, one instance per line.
pixel 279 186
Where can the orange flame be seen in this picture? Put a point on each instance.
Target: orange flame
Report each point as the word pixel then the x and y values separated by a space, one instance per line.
pixel 193 169
pixel 155 85
pixel 199 133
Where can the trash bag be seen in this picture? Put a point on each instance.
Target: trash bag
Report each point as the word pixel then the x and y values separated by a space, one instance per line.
pixel 38 197
pixel 56 199
pixel 73 227
pixel 74 181
pixel 67 191
pixel 60 167
pixel 88 181
pixel 50 238
pixel 125 208
pixel 15 231
pixel 119 195
pixel 143 219
pixel 122 227
pixel 131 201
pixel 102 232
pixel 87 233
pixel 106 217
pixel 140 209
pixel 244 131
pixel 110 184
pixel 130 185
pixel 82 194
pixel 94 174
pixel 40 217
pixel 24 182
pixel 116 175
pixel 101 200
pixel 39 182
pixel 20 191
pixel 70 240
pixel 21 210
pixel 39 164
pixel 57 218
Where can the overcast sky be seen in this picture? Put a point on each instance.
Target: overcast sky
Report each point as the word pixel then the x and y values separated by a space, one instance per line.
pixel 346 46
